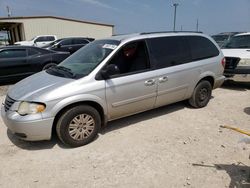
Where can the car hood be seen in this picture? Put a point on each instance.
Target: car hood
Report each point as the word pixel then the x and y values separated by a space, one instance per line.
pixel 37 85
pixel 240 53
pixel 24 43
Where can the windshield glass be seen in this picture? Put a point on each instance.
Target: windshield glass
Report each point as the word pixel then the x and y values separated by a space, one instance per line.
pixel 51 43
pixel 220 37
pixel 83 62
pixel 242 41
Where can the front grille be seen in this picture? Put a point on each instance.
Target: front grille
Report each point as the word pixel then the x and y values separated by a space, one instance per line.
pixel 8 103
pixel 232 62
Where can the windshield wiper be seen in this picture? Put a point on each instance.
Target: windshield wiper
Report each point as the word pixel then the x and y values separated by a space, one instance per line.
pixel 64 70
pixel 244 46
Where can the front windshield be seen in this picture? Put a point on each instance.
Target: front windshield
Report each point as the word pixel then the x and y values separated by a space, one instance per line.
pixel 83 62
pixel 52 43
pixel 242 41
pixel 220 37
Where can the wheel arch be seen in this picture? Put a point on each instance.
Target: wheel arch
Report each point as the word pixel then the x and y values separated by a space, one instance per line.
pixel 210 79
pixel 93 104
pixel 48 62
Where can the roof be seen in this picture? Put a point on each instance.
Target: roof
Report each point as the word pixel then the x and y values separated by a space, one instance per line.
pixel 135 36
pixel 18 47
pixel 53 17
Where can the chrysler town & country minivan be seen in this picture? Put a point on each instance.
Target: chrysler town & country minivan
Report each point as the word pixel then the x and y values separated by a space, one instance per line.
pixel 110 79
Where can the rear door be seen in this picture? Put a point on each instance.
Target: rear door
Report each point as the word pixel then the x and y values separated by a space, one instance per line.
pixel 134 89
pixel 13 63
pixel 171 57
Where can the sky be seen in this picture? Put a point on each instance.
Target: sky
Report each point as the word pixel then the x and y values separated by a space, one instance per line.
pixel 130 16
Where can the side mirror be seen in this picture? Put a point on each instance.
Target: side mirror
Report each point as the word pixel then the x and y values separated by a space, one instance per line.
pixel 59 45
pixel 110 70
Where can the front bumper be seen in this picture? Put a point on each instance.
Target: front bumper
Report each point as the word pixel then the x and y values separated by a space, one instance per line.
pixel 28 128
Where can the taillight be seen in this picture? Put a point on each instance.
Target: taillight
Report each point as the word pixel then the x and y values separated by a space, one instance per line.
pixel 223 62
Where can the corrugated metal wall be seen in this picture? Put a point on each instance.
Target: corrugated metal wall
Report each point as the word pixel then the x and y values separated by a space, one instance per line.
pixel 62 28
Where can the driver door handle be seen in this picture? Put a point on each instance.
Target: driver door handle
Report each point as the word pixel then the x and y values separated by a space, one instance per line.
pixel 163 79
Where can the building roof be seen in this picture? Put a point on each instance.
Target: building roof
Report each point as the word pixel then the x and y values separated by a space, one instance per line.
pixel 52 17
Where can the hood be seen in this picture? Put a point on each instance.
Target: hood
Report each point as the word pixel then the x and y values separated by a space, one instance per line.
pixel 240 53
pixel 35 86
pixel 24 43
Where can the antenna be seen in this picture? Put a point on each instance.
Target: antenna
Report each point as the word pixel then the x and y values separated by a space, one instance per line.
pixel 175 9
pixel 197 25
pixel 8 11
pixel 175 4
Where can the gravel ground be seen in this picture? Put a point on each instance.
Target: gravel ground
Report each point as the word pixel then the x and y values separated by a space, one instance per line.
pixel 174 146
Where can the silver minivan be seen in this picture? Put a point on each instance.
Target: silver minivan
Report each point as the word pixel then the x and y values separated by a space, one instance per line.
pixel 110 79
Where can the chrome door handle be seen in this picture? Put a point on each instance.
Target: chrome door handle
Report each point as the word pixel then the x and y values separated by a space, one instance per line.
pixel 150 82
pixel 163 79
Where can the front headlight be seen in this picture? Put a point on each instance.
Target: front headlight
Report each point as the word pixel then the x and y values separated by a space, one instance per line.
pixel 244 62
pixel 30 108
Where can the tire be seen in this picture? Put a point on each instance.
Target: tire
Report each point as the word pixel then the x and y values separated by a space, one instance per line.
pixel 49 65
pixel 201 95
pixel 78 126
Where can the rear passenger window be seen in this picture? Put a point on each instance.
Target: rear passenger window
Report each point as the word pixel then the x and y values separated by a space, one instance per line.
pixel 50 38
pixel 32 52
pixel 202 48
pixel 169 51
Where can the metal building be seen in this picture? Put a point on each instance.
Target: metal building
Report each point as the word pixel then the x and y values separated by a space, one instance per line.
pixel 25 28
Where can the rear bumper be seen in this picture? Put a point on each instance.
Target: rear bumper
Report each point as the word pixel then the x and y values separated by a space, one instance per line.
pixel 219 81
pixel 32 129
pixel 238 70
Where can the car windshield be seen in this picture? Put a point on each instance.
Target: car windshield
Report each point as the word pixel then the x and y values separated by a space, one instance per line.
pixel 220 37
pixel 84 61
pixel 242 41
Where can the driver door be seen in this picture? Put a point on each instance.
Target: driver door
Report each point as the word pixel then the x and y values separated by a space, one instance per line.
pixel 134 89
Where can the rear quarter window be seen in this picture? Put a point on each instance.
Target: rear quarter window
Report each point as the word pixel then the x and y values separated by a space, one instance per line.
pixel 202 48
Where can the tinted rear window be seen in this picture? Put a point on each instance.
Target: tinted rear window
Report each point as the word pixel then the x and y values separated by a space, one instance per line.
pixel 169 51
pixel 202 48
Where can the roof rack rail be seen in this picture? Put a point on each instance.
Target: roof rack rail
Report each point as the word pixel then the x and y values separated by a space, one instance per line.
pixel 146 33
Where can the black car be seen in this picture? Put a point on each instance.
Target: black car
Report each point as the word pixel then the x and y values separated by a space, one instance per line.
pixel 70 45
pixel 17 62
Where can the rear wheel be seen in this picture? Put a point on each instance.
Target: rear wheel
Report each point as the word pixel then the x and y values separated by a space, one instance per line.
pixel 201 95
pixel 78 126
pixel 49 65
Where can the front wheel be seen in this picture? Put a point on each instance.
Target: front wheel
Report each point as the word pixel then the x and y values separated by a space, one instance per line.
pixel 201 95
pixel 78 126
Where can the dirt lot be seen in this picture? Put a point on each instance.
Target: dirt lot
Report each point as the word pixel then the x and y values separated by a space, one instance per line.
pixel 174 146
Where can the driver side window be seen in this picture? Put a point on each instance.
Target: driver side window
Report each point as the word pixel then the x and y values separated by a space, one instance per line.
pixel 132 57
